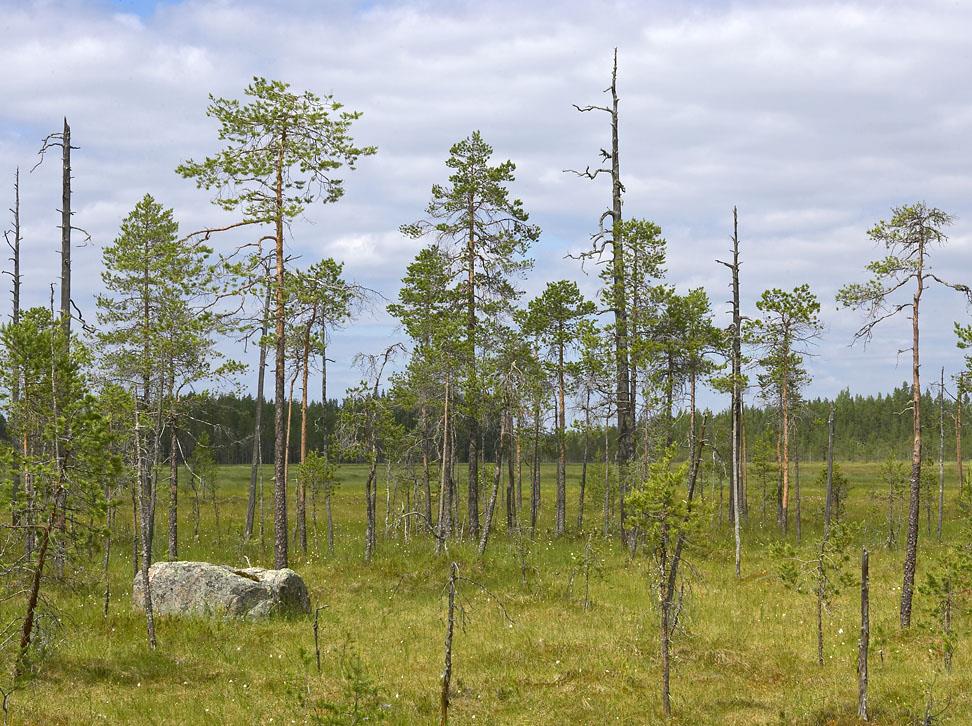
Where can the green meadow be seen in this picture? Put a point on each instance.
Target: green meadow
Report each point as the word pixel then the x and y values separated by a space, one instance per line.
pixel 550 630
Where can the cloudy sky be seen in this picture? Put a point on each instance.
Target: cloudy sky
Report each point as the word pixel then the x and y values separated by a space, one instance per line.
pixel 813 118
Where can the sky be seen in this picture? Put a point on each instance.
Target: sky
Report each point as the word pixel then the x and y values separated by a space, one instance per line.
pixel 813 118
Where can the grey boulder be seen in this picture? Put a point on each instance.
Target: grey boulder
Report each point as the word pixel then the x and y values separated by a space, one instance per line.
pixel 202 588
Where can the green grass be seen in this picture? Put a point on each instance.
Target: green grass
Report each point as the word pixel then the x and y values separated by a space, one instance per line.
pixel 746 653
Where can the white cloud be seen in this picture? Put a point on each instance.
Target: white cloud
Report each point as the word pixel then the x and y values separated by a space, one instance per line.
pixel 813 117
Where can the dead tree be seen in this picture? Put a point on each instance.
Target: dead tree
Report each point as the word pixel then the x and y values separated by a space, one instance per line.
pixel 736 470
pixel 13 238
pixel 613 238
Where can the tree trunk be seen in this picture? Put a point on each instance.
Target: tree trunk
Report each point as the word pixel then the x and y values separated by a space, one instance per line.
pixel 535 483
pixel 330 523
pixel 257 422
pixel 828 504
pixel 472 389
pixel 173 491
pixel 14 245
pixel 941 453
pixel 607 481
pixel 584 460
pixel 445 486
pixel 625 409
pixel 911 551
pixel 519 466
pixel 864 641
pixel 447 668
pixel 144 510
pixel 664 628
pixel 736 394
pixel 301 484
pixel 561 521
pixel 27 629
pixel 786 451
pixel 799 519
pixel 426 468
pixel 511 507
pixel 370 499
pixel 491 508
pixel 959 399
pixel 280 533
pixel 66 231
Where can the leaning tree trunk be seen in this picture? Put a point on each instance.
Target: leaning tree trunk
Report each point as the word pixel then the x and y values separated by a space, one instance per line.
pixel 491 508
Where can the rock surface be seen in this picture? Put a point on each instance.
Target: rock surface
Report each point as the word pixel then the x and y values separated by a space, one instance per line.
pixel 202 588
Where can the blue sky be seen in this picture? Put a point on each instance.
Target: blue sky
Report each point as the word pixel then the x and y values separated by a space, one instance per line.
pixel 813 117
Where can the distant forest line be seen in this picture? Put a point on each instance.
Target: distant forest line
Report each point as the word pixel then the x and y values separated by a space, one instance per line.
pixel 867 428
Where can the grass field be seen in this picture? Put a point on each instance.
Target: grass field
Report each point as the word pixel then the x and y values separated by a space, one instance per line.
pixel 745 652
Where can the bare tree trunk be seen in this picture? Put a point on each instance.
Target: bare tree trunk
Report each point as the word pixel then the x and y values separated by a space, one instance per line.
pixel 735 507
pixel 584 460
pixel 799 519
pixel 301 485
pixel 447 668
pixel 535 488
pixel 473 392
pixel 941 453
pixel 490 509
pixel 27 629
pixel 445 485
pixel 144 510
pixel 426 470
pixel 370 491
pixel 864 641
pixel 257 422
pixel 786 452
pixel 664 629
pixel 911 551
pixel 66 230
pixel 561 519
pixel 607 481
pixel 330 523
pixel 173 492
pixel 13 239
pixel 281 535
pixel 511 506
pixel 959 400
pixel 519 466
pixel 106 556
pixel 821 582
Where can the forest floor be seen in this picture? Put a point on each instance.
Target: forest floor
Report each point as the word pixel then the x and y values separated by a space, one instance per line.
pixel 526 649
